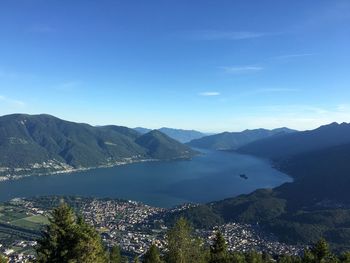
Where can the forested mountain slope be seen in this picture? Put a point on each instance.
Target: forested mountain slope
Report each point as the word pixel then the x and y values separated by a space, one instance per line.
pixel 44 142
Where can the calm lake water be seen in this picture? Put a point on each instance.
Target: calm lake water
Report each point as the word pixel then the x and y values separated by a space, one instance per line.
pixel 208 177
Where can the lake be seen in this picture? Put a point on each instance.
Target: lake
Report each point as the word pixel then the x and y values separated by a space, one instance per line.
pixel 214 175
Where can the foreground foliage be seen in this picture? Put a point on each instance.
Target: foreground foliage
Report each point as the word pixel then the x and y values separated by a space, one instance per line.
pixel 314 205
pixel 68 239
pixel 3 259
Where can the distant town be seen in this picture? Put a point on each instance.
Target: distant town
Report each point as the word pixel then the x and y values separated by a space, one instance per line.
pixel 131 225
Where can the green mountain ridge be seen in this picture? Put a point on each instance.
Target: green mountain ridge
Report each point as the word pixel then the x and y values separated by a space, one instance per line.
pixel 296 143
pixel 316 204
pixel 45 143
pixel 234 140
pixel 161 146
pixel 180 135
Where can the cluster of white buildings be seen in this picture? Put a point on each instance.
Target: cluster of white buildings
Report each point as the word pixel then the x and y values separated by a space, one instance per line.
pixel 246 237
pixel 134 227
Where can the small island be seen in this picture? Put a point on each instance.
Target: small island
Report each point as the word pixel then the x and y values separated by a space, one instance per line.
pixel 244 176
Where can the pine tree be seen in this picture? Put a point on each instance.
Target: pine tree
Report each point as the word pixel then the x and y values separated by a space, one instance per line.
pixel 182 246
pixel 58 239
pixel 115 255
pixel 88 248
pixel 237 257
pixel 254 257
pixel 68 239
pixel 321 250
pixel 345 257
pixel 3 259
pixel 152 255
pixel 125 259
pixel 266 257
pixel 308 257
pixel 285 259
pixel 218 251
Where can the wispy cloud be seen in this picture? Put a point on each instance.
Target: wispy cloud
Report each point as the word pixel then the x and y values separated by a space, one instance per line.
pixel 343 108
pixel 297 116
pixel 238 96
pixel 209 93
pixel 68 86
pixel 297 109
pixel 11 102
pixel 242 69
pixel 225 35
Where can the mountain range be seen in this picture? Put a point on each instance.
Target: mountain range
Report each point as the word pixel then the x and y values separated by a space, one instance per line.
pixel 180 135
pixel 316 204
pixel 296 143
pixel 234 140
pixel 42 143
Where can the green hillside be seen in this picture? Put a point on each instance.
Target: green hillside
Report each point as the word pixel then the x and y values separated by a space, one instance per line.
pixel 43 143
pixel 315 205
pixel 161 146
pixel 300 142
pixel 180 135
pixel 234 140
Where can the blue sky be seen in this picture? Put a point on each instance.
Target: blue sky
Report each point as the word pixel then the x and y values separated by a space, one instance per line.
pixel 207 65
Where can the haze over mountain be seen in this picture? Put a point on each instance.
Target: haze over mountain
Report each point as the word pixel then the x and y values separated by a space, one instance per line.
pixel 45 143
pixel 295 143
pixel 161 146
pixel 142 130
pixel 234 140
pixel 315 205
pixel 180 135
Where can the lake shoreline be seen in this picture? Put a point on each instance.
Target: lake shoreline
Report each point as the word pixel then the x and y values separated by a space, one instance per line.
pixel 211 176
pixel 73 170
pixel 5 178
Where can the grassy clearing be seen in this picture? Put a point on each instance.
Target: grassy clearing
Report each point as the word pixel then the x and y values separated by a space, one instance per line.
pixel 31 222
pixel 37 219
pixel 11 213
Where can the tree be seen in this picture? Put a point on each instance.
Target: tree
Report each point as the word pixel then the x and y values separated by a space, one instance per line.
pixel 3 259
pixel 115 255
pixel 285 259
pixel 88 247
pixel 237 257
pixel 136 260
pixel 308 256
pixel 152 255
pixel 218 250
pixel 345 257
pixel 69 239
pixel 182 246
pixel 266 257
pixel 254 257
pixel 321 250
pixel 125 259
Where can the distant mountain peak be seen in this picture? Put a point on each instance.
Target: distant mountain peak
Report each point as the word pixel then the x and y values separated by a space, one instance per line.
pixel 294 143
pixel 159 144
pixel 45 143
pixel 233 140
pixel 180 135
